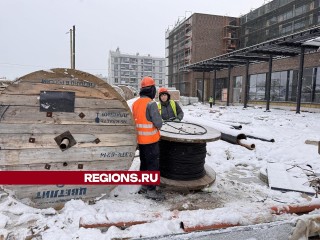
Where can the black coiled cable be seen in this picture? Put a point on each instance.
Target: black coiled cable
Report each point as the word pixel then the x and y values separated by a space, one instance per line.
pixel 182 161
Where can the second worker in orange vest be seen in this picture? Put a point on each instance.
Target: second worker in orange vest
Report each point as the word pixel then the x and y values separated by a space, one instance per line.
pixel 148 122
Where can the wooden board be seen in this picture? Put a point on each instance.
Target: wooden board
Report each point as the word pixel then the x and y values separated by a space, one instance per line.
pixel 80 102
pixel 287 178
pixel 188 133
pixel 28 114
pixel 48 155
pixel 45 196
pixel 34 128
pixel 29 135
pixel 21 141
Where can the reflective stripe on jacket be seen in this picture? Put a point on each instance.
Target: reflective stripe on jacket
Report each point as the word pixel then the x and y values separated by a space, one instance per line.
pixel 173 106
pixel 147 133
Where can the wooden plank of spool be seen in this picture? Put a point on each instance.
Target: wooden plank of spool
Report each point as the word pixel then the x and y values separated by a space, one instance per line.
pixel 99 122
pixel 80 102
pixel 28 114
pixel 21 141
pixel 74 154
pixel 13 128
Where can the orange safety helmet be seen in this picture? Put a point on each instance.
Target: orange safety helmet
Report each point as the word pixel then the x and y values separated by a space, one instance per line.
pixel 147 82
pixel 163 90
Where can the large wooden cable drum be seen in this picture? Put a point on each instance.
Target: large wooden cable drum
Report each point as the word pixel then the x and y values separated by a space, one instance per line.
pixel 182 156
pixel 63 119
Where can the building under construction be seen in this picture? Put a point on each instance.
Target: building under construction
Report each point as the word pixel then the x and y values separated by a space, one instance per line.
pixel 198 37
pixel 260 58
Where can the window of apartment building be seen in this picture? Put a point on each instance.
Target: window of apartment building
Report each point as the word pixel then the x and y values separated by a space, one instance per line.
pixel 125 73
pixel 293 85
pixel 125 60
pixel 160 81
pixel 147 61
pixel 257 87
pixel 124 66
pixel 133 60
pixel 116 67
pixel 147 69
pixel 307 85
pixel 220 85
pixel 287 15
pixel 278 86
pixel 300 10
pixel 311 5
pixel 199 88
pixel 116 80
pixel 286 28
pixel 310 19
pixel 299 24
pixel 273 20
pixel 317 87
pixel 115 59
pixel 237 89
pixel 133 80
pixel 133 67
pixel 133 74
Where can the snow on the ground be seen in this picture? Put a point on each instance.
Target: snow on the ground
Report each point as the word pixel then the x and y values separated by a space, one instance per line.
pixel 238 195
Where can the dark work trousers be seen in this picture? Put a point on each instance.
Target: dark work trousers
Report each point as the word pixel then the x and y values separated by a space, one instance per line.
pixel 149 159
pixel 211 105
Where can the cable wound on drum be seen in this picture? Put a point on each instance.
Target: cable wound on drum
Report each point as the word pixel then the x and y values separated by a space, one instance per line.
pixel 182 161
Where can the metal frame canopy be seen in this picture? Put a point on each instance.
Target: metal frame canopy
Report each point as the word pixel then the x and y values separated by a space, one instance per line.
pixel 286 46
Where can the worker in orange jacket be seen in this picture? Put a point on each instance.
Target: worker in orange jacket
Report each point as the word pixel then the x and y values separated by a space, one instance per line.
pixel 148 123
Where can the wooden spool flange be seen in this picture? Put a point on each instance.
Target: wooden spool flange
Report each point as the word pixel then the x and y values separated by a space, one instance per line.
pixel 41 109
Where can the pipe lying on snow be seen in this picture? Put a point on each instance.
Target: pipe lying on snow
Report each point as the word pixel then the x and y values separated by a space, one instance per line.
pixel 313 142
pixel 230 138
pixel 296 208
pixel 260 138
pixel 245 143
pixel 239 139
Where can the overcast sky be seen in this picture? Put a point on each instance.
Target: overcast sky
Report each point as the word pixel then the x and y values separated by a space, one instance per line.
pixel 33 33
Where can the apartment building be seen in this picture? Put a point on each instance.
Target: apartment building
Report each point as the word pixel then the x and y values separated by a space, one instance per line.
pixel 128 69
pixel 278 18
pixel 196 38
pixel 274 20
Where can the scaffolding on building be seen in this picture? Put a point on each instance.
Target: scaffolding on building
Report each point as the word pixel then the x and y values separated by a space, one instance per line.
pixel 230 35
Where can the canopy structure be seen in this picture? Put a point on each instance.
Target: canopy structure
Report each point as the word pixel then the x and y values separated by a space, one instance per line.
pixel 288 46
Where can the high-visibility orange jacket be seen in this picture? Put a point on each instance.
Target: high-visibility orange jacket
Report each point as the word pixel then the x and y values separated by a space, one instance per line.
pixel 147 133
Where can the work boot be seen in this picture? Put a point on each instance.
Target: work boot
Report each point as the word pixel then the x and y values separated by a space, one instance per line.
pixel 155 195
pixel 143 189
